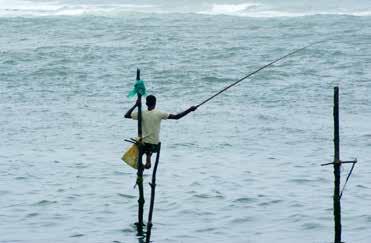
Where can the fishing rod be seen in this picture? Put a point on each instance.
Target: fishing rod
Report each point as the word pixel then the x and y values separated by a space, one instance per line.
pixel 254 72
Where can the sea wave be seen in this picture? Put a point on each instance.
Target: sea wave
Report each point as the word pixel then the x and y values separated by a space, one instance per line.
pixel 19 8
pixel 27 8
pixel 257 10
pixel 230 9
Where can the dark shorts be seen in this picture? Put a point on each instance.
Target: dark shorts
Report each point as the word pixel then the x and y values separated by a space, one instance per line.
pixel 150 148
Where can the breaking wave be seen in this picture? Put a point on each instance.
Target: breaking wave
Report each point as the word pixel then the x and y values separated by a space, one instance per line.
pixel 24 8
pixel 28 8
pixel 263 11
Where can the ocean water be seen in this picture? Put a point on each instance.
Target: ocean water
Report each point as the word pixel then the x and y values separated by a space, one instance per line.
pixel 244 167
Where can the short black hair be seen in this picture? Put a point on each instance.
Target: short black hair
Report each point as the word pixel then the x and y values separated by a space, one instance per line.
pixel 151 100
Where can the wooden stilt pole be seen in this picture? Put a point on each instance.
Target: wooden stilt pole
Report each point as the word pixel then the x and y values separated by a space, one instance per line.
pixel 139 182
pixel 153 190
pixel 337 165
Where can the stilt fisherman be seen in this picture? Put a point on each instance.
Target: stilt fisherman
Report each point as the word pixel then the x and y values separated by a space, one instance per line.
pixel 151 121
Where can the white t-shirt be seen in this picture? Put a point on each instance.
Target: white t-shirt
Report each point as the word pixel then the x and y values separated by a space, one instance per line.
pixel 151 121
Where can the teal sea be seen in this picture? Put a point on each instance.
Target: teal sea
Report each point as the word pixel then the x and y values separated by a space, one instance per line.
pixel 244 167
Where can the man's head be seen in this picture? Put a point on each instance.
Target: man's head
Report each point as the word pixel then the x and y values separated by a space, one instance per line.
pixel 151 102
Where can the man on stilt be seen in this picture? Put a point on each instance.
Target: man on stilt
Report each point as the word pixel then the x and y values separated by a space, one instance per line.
pixel 151 121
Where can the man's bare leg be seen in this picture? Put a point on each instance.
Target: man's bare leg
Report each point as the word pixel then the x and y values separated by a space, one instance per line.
pixel 148 160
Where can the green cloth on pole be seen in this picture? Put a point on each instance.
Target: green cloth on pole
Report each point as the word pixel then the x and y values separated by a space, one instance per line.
pixel 139 88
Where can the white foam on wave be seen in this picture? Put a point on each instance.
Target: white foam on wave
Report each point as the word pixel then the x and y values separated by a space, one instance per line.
pixel 257 10
pixel 104 10
pixel 362 13
pixel 19 5
pixel 18 8
pixel 275 14
pixel 232 9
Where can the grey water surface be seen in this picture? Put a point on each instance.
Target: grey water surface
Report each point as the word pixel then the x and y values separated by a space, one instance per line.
pixel 244 167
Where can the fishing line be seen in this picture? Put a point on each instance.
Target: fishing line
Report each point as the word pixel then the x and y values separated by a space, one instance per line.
pixel 254 72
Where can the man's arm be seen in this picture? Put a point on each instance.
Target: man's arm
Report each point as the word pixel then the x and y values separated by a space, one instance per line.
pixel 128 113
pixel 182 114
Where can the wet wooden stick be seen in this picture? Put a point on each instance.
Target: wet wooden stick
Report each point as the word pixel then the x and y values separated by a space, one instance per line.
pixel 153 191
pixel 337 165
pixel 139 181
